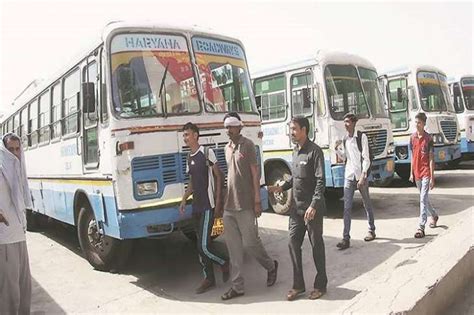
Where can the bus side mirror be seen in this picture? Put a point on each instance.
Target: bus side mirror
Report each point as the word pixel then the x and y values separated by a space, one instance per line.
pixel 88 97
pixel 399 95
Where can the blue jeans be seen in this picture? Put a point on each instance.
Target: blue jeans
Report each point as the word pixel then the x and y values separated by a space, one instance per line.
pixel 423 186
pixel 349 188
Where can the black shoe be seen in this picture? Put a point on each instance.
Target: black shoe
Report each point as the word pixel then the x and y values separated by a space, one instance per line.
pixel 225 271
pixel 205 285
pixel 343 244
pixel 272 275
pixel 231 294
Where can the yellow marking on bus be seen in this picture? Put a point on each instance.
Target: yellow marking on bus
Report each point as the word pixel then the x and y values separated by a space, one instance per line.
pixel 100 182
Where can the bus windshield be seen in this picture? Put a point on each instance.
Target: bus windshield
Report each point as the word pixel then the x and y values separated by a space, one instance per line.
pixel 344 92
pixel 445 88
pixel 468 92
pixel 152 76
pixel 224 76
pixel 432 97
pixel 372 93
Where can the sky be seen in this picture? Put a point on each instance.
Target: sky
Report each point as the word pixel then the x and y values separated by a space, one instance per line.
pixel 38 38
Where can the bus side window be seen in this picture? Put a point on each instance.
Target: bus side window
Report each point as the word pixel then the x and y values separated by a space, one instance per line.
pixel 104 116
pixel 412 98
pixel 270 95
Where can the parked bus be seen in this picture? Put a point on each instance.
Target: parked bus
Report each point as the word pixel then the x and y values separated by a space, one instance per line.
pixel 324 89
pixel 103 139
pixel 462 96
pixel 409 91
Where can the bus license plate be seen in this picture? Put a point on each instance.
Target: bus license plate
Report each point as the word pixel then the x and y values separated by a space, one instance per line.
pixel 218 227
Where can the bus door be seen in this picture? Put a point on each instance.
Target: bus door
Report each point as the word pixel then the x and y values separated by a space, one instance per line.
pixel 302 96
pixel 90 100
pixel 397 98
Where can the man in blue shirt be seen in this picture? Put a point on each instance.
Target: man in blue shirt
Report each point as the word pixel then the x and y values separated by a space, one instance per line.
pixel 207 198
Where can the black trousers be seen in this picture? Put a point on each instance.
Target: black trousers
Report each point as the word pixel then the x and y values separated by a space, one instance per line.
pixel 203 223
pixel 298 230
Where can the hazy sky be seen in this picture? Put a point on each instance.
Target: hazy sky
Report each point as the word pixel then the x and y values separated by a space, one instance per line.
pixel 37 38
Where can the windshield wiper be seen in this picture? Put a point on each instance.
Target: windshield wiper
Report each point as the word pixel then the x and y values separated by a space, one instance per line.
pixel 162 85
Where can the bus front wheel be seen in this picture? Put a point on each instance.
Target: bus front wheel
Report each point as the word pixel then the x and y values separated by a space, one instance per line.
pixel 103 252
pixel 280 202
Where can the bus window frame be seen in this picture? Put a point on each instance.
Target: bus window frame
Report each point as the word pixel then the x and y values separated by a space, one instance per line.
pixel 285 95
pixel 64 135
pixel 33 102
pixel 308 86
pixel 407 108
pixel 48 123
pixel 89 167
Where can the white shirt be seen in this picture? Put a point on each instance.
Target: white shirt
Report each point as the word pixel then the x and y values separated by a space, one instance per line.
pixel 354 167
pixel 15 231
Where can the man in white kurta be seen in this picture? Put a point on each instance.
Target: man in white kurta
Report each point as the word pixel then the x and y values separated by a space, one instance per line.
pixel 15 198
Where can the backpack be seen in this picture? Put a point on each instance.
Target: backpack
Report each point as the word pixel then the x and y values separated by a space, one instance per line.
pixel 359 146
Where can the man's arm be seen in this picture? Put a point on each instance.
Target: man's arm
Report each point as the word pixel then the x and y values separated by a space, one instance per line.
pixel 410 149
pixel 219 183
pixel 318 194
pixel 365 155
pixel 432 163
pixel 3 218
pixel 187 193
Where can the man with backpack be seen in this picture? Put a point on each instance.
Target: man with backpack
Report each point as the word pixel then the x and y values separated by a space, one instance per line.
pixel 202 167
pixel 356 154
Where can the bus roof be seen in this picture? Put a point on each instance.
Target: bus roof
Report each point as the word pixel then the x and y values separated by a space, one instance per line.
pixel 458 78
pixel 322 58
pixel 411 69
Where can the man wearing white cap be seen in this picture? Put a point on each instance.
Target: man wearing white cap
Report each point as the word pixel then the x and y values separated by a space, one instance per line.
pixel 242 207
pixel 15 198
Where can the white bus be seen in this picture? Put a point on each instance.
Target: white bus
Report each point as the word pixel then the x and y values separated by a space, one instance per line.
pixel 103 139
pixel 323 89
pixel 462 96
pixel 421 89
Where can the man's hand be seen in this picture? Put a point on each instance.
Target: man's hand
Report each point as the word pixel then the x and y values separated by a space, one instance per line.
pixel 219 210
pixel 411 178
pixel 432 183
pixel 182 208
pixel 361 181
pixel 3 219
pixel 275 189
pixel 258 208
pixel 309 214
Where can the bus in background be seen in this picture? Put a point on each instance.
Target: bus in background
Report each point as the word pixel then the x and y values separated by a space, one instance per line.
pixel 103 140
pixel 409 91
pixel 324 89
pixel 462 96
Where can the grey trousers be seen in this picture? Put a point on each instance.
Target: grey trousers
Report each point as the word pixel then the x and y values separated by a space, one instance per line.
pixel 349 188
pixel 241 231
pixel 15 279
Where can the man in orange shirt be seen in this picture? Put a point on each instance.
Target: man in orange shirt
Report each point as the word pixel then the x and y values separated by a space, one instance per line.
pixel 422 171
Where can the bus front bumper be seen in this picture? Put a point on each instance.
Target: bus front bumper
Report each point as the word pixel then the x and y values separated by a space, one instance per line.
pixel 447 153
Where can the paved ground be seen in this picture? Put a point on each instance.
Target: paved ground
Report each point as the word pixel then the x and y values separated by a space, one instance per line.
pixel 378 277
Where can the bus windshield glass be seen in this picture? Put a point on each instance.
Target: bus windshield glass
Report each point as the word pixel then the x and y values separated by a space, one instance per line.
pixel 372 93
pixel 152 76
pixel 467 86
pixel 432 96
pixel 445 88
pixel 224 76
pixel 344 92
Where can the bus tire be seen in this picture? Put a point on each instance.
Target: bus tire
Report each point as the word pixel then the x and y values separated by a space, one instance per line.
pixel 334 193
pixel 279 202
pixel 103 252
pixel 32 220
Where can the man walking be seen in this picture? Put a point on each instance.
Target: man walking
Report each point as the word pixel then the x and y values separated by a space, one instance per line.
pixel 202 167
pixel 308 208
pixel 422 171
pixel 243 207
pixel 15 198
pixel 357 157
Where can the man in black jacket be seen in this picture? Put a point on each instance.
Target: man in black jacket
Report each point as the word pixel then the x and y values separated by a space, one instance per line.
pixel 307 208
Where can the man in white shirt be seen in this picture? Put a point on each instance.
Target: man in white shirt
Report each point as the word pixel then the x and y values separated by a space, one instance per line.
pixel 15 198
pixel 357 157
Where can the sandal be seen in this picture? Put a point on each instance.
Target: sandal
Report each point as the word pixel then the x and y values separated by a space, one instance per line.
pixel 231 294
pixel 433 222
pixel 316 294
pixel 370 236
pixel 420 233
pixel 294 293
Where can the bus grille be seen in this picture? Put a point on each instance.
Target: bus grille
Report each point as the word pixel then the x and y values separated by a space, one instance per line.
pixel 377 141
pixel 167 163
pixel 449 129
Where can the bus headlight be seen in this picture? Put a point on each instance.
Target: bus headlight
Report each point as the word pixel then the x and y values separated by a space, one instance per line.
pixel 437 138
pixel 390 148
pixel 147 188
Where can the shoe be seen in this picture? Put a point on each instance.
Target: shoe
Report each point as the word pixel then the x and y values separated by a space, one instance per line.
pixel 343 244
pixel 225 271
pixel 231 294
pixel 433 222
pixel 205 285
pixel 294 293
pixel 272 275
pixel 370 236
pixel 316 294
